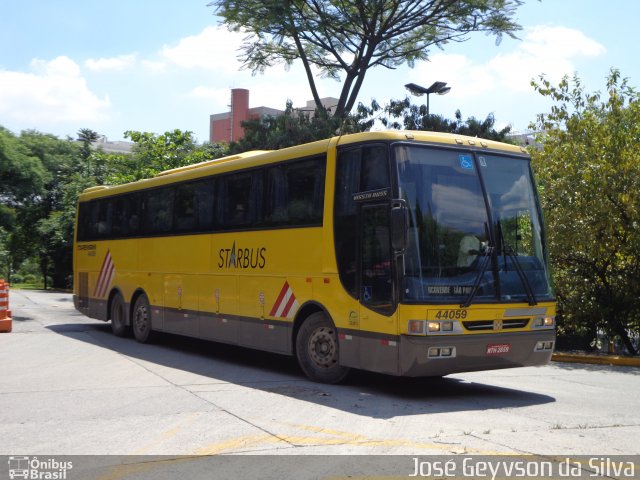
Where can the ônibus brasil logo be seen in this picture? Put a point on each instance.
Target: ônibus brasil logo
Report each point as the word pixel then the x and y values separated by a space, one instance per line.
pixel 35 468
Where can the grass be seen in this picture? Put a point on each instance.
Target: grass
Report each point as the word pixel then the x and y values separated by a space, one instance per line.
pixel 27 286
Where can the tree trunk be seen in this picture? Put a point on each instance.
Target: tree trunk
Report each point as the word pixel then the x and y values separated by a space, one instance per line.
pixel 44 267
pixel 624 336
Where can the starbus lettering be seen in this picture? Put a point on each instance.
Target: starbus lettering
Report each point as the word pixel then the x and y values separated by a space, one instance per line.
pixel 242 257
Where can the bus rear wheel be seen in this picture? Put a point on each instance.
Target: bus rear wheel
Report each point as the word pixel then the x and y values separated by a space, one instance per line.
pixel 118 316
pixel 141 319
pixel 317 350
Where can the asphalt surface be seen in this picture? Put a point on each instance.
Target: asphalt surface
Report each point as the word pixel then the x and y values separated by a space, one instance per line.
pixel 69 387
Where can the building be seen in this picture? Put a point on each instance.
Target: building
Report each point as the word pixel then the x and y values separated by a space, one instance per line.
pixel 227 126
pixel 111 146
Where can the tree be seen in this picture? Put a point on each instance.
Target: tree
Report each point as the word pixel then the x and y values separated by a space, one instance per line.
pixel 23 178
pixel 294 128
pixel 589 175
pixel 415 117
pixel 52 215
pixel 154 153
pixel 22 175
pixel 341 38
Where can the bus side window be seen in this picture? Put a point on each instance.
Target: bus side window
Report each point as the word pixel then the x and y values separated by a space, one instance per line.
pixel 133 214
pixel 305 191
pixel 375 168
pixel 276 194
pixel 205 202
pixel 119 221
pixel 234 196
pixel 185 208
pixel 103 219
pixel 158 211
pixel 86 214
pixel 294 193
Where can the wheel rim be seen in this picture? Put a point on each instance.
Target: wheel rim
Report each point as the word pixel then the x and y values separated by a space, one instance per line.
pixel 141 320
pixel 323 349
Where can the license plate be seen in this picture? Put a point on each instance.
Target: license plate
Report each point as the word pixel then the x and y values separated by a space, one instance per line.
pixel 498 349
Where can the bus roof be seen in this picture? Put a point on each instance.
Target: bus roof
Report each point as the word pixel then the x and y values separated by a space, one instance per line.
pixel 258 158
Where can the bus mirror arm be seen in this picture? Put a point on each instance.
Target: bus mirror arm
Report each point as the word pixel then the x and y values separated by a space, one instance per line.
pixel 399 226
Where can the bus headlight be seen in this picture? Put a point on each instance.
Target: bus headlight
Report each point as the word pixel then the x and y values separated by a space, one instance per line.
pixel 434 326
pixel 440 327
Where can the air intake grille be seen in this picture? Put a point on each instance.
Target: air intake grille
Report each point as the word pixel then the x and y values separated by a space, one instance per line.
pixel 488 325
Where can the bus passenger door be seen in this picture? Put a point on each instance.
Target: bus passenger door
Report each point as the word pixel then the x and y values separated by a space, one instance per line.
pixel 378 326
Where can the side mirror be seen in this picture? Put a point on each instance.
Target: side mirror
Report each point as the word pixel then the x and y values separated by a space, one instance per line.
pixel 399 225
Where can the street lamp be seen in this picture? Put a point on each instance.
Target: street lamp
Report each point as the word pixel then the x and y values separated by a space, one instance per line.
pixel 439 88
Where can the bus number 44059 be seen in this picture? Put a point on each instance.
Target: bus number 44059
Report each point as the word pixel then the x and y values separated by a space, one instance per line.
pixel 451 315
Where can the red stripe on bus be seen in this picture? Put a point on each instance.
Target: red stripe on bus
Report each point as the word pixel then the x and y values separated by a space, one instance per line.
pixel 107 278
pixel 100 277
pixel 286 310
pixel 276 305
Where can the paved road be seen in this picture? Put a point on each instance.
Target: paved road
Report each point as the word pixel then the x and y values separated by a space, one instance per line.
pixel 68 386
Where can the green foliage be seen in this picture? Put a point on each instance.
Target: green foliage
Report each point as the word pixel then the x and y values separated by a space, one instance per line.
pixel 589 174
pixel 415 117
pixel 295 128
pixel 154 153
pixel 41 178
pixel 343 40
pixel 22 174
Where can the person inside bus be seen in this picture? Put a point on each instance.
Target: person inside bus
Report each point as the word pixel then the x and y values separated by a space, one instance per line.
pixel 468 251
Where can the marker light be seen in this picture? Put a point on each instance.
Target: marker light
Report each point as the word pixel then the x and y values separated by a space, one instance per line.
pixel 447 326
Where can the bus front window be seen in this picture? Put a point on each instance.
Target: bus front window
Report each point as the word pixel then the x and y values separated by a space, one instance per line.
pixel 448 258
pixel 517 228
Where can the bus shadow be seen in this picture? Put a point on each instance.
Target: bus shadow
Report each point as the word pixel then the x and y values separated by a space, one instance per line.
pixel 198 364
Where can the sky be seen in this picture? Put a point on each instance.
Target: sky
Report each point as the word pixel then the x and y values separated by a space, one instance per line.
pixel 155 66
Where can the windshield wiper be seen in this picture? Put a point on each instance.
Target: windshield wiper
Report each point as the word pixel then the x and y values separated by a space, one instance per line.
pixel 476 285
pixel 508 251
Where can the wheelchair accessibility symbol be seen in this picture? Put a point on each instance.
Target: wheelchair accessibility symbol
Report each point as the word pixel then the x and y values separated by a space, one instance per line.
pixel 466 162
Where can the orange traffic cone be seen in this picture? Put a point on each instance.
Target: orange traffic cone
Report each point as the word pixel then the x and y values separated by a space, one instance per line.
pixel 5 314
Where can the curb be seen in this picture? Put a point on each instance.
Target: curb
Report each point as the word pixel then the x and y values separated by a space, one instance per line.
pixel 596 359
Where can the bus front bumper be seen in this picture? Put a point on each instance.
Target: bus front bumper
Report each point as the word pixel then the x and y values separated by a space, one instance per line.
pixel 445 354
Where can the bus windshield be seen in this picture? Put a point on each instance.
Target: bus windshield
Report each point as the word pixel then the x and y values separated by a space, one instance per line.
pixel 475 230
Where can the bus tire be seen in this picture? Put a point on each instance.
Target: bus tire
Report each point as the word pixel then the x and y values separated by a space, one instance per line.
pixel 118 311
pixel 141 320
pixel 317 350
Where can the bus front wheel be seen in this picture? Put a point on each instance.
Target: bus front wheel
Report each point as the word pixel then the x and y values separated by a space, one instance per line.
pixel 141 319
pixel 317 350
pixel 118 316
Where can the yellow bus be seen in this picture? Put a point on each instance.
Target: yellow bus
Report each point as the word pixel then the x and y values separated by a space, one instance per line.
pixel 406 253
